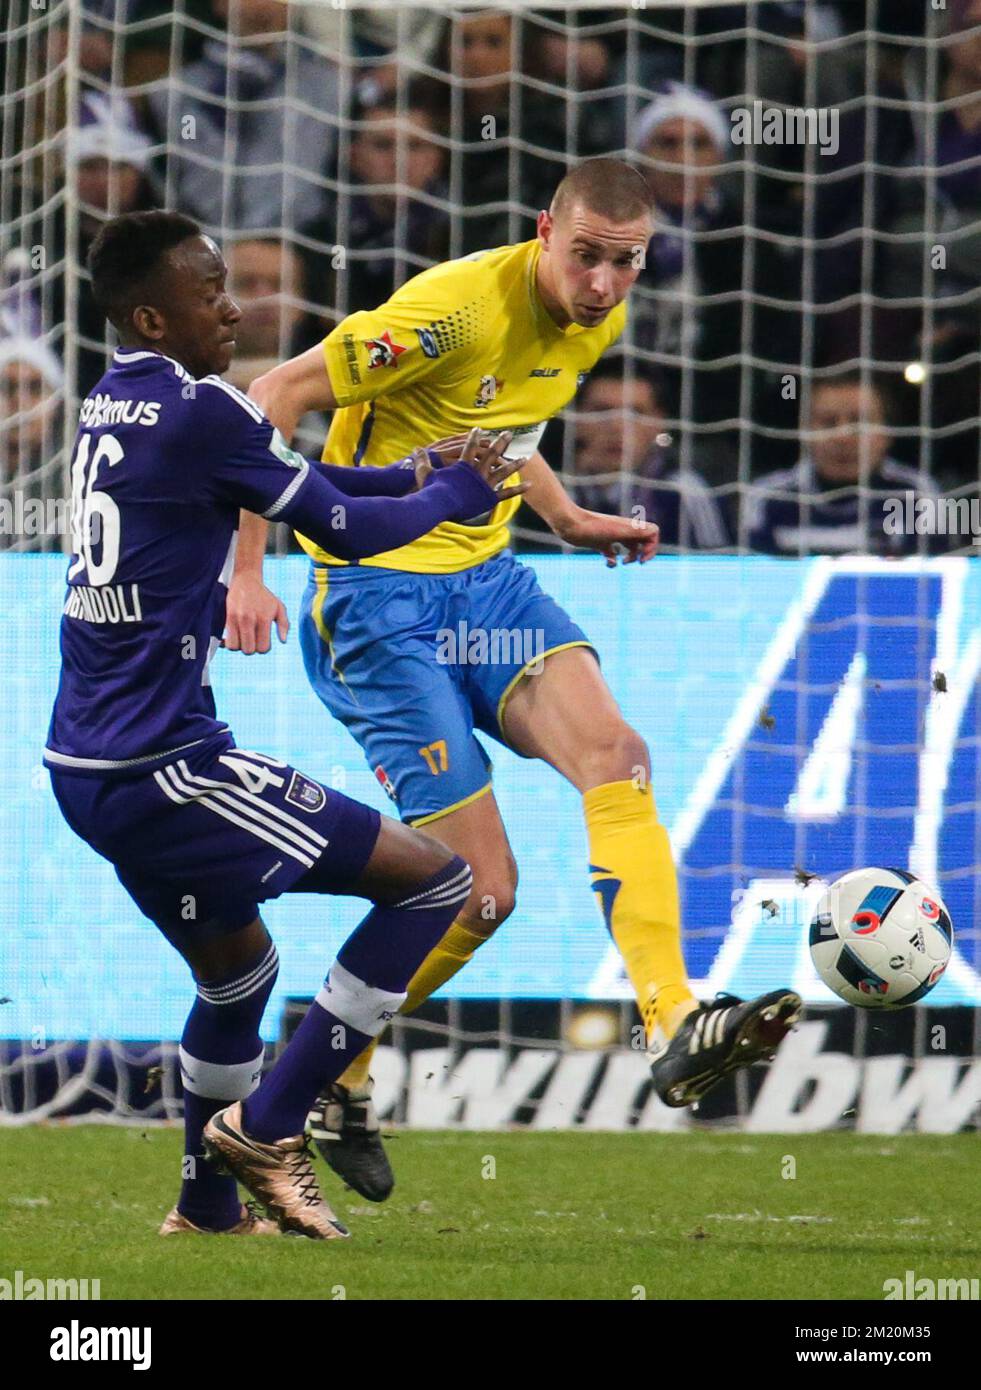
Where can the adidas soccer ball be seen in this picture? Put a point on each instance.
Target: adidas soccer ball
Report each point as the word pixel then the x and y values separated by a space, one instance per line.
pixel 881 938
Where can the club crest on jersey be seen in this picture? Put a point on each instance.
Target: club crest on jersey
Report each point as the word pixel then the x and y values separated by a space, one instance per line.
pixel 382 351
pixel 490 387
pixel 305 793
pixel 385 782
pixel 427 342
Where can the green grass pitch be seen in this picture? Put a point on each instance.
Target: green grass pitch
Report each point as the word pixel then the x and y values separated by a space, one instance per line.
pixel 565 1215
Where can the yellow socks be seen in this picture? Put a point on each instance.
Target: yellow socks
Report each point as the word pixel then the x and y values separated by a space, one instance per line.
pixel 442 963
pixel 634 878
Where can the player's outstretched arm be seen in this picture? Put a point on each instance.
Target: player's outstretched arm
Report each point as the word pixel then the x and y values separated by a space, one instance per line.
pixel 354 528
pixel 633 538
pixel 397 480
pixel 251 609
pixel 285 395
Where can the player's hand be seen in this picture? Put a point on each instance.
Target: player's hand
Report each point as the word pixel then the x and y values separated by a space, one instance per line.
pixel 485 454
pixel 250 611
pixel 615 537
pixel 423 466
pixel 448 450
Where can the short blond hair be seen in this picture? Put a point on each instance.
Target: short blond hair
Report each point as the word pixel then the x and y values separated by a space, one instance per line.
pixel 608 186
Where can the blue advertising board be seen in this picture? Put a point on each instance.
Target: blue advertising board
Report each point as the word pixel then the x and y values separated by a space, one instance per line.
pixel 817 715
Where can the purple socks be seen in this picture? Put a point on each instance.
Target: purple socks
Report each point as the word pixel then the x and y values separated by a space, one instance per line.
pixel 366 986
pixel 221 1057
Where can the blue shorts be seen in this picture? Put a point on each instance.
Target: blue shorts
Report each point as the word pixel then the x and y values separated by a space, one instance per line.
pixel 413 664
pixel 199 843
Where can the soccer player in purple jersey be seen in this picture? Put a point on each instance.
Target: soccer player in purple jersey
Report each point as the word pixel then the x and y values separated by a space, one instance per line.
pixel 200 831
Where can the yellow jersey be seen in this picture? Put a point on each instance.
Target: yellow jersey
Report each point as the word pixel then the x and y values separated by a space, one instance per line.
pixel 466 343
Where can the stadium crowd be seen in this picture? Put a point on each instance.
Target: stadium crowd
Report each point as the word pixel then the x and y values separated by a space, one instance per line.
pixel 804 337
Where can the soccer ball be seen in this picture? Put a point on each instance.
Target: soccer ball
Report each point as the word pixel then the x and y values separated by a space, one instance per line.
pixel 881 938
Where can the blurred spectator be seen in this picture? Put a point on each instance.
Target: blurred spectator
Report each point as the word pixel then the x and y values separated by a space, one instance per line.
pixel 21 312
pixel 120 36
pixel 941 211
pixel 570 59
pixel 112 158
pixel 31 384
pixel 499 183
pixel 682 140
pixel 813 204
pixel 582 51
pixel 94 54
pixel 801 62
pixel 385 40
pixel 391 233
pixel 112 161
pixel 605 50
pixel 265 279
pixel 689 300
pixel 958 130
pixel 107 158
pixel 831 501
pixel 251 126
pixel 624 464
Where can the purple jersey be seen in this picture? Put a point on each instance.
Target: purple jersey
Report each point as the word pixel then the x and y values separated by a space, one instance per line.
pixel 161 467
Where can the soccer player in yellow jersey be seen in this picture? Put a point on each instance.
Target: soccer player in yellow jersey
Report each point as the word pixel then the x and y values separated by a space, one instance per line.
pixel 499 340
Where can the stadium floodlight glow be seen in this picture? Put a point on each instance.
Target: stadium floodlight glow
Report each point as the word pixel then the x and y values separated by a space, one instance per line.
pixel 592 1028
pixel 915 373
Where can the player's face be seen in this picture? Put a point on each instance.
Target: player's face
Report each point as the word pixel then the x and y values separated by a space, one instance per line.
pixel 589 263
pixel 846 431
pixel 201 315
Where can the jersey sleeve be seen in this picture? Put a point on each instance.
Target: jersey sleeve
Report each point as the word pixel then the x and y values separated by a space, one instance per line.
pixel 416 333
pixel 247 463
pixel 255 469
pixel 396 480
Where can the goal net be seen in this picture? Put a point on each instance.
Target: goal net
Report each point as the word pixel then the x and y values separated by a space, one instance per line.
pixel 795 401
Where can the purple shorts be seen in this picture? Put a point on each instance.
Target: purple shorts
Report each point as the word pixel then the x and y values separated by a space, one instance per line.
pixel 200 842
